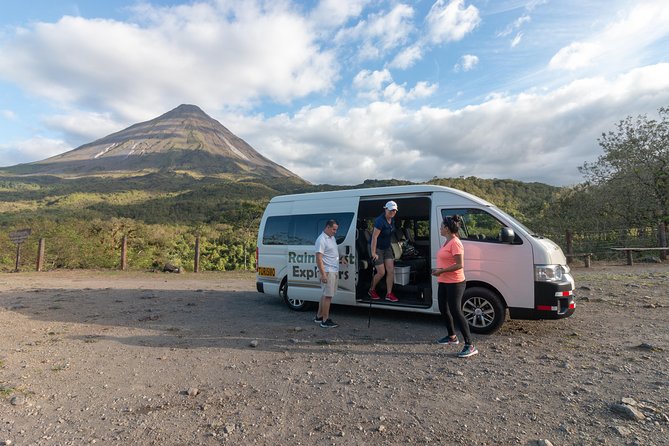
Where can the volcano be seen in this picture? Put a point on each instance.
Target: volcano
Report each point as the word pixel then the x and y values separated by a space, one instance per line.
pixel 184 139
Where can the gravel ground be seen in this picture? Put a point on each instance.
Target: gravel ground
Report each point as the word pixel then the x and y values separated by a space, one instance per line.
pixel 173 359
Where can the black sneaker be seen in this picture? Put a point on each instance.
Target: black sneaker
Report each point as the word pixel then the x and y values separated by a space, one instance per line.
pixel 318 320
pixel 468 351
pixel 329 324
pixel 448 341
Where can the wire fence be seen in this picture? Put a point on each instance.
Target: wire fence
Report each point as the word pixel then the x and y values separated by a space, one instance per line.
pixel 600 243
pixel 192 254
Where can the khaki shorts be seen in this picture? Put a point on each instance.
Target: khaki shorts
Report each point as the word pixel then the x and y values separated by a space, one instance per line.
pixel 330 287
pixel 384 254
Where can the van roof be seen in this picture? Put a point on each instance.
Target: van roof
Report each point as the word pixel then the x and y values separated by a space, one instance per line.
pixel 395 191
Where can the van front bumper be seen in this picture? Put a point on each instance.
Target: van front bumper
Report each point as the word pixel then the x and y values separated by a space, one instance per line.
pixel 552 300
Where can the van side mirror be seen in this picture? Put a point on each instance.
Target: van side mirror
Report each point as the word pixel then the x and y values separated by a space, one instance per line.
pixel 506 235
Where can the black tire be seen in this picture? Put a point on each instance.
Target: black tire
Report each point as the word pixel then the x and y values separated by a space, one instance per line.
pixel 483 310
pixel 293 304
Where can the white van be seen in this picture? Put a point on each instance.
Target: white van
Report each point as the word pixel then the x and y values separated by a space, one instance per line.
pixel 507 266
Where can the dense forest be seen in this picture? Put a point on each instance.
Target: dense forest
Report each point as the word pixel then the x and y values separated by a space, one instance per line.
pixel 625 194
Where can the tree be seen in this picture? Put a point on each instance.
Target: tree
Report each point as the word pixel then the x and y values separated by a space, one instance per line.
pixel 634 169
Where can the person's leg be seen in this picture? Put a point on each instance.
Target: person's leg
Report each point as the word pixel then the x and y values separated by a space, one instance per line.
pixel 455 304
pixel 330 290
pixel 443 297
pixel 389 263
pixel 324 307
pixel 380 272
pixel 319 313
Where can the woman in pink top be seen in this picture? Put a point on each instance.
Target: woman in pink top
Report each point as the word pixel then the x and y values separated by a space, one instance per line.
pixel 450 274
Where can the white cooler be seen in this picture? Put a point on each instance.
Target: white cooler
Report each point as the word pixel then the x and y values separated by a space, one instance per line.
pixel 402 275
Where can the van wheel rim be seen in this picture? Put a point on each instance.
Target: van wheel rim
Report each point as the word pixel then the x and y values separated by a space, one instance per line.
pixel 478 312
pixel 295 302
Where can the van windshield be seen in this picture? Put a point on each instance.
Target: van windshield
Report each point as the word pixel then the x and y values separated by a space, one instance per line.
pixel 519 224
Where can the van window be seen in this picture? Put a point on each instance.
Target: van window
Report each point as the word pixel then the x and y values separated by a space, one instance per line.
pixel 303 229
pixel 477 225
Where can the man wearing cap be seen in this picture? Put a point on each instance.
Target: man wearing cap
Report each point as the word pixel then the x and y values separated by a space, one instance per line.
pixel 382 253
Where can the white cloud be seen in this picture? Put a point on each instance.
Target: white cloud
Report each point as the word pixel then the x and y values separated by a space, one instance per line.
pixel 332 13
pixel 467 62
pixel 530 137
pixel 370 83
pixel 452 21
pixel 380 32
pixel 407 57
pixel 517 24
pixel 516 40
pixel 36 148
pixel 576 55
pixel 230 55
pixel 9 115
pixel 373 85
pixel 83 126
pixel 621 43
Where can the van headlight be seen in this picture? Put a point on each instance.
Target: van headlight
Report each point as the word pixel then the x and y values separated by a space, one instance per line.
pixel 550 273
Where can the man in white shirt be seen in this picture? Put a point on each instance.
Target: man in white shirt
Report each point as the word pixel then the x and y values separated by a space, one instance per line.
pixel 327 260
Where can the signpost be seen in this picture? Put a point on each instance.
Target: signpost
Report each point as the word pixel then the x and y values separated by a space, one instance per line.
pixel 18 237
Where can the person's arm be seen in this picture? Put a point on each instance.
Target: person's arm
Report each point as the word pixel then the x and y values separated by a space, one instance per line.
pixel 321 266
pixel 375 236
pixel 456 266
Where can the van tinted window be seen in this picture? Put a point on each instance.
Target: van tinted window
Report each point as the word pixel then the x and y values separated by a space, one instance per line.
pixel 477 225
pixel 303 229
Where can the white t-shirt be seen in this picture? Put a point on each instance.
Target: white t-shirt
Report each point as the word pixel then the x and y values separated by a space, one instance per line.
pixel 327 246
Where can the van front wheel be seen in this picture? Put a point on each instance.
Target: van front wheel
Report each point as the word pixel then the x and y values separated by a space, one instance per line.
pixel 483 310
pixel 293 304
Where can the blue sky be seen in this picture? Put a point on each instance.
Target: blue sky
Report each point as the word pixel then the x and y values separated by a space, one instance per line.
pixel 339 91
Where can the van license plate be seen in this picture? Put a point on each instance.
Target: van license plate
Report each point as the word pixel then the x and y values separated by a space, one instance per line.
pixel 264 271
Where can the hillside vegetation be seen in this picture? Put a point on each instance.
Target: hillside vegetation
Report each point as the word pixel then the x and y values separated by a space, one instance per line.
pixel 83 220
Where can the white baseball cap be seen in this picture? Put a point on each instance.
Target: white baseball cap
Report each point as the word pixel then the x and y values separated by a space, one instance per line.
pixel 391 206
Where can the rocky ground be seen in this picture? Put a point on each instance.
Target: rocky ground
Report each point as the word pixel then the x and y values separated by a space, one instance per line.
pixel 173 359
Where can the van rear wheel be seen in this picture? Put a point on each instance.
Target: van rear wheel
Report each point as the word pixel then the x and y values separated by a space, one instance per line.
pixel 483 310
pixel 293 304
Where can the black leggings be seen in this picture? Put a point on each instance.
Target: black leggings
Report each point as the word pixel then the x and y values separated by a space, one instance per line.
pixel 450 302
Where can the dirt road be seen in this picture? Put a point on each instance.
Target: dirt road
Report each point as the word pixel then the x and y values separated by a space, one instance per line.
pixel 173 359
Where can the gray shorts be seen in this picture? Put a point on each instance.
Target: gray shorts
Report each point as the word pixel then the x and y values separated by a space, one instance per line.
pixel 384 254
pixel 330 287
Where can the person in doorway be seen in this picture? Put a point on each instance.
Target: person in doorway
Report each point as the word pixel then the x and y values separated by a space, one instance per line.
pixel 450 275
pixel 382 253
pixel 327 260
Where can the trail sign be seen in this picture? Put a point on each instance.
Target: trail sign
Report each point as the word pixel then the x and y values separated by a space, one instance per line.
pixel 19 236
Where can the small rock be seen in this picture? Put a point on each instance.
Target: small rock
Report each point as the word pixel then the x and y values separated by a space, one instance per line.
pixel 254 343
pixel 229 428
pixel 543 442
pixel 382 428
pixel 193 391
pixel 18 400
pixel 628 412
pixel 629 401
pixel 622 431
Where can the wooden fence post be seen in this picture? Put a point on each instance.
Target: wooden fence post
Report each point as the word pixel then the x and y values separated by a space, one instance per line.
pixel 40 255
pixel 570 246
pixel 18 257
pixel 196 262
pixel 124 253
pixel 662 239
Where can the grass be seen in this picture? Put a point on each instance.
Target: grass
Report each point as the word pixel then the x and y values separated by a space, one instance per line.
pixel 6 391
